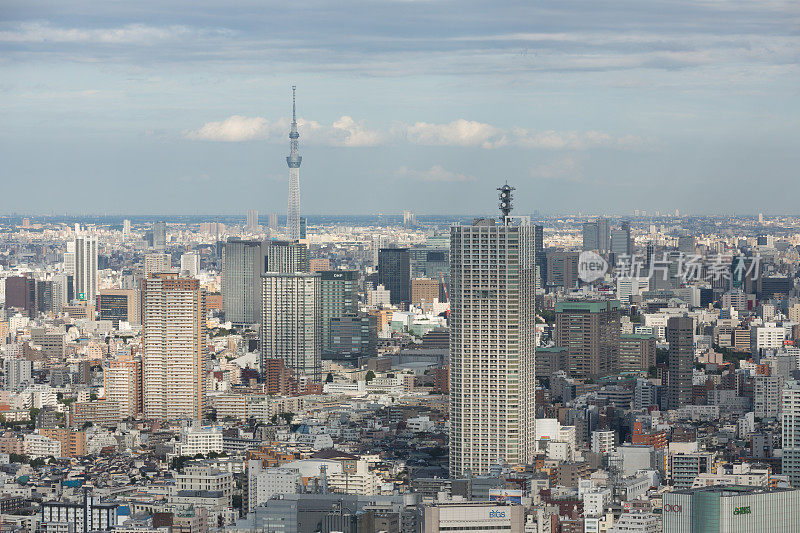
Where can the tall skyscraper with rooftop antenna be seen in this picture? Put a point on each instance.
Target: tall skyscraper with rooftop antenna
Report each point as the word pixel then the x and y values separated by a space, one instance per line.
pixel 293 160
pixel 492 332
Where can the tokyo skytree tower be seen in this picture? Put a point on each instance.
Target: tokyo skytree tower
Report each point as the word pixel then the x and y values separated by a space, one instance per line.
pixel 294 159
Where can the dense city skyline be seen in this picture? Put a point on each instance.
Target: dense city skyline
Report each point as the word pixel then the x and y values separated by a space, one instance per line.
pixel 540 272
pixel 620 105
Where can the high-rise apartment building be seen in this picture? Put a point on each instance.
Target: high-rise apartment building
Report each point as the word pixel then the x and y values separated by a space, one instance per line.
pixel 291 323
pixel 44 295
pixel 541 256
pixel 562 269
pixel 680 336
pixel 20 292
pixel 767 392
pixel 621 239
pixel 69 258
pixel 190 264
pixel 590 237
pixel 492 331
pixel 394 273
pixel 63 291
pixel 18 373
pixel 252 220
pixel 122 382
pixel 273 222
pixel 339 295
pixel 790 432
pixel 86 267
pixel 589 330
pixel 597 235
pixel 174 347
pixel 157 263
pixel 604 234
pixel 637 352
pixel 160 235
pixel 286 256
pixel 241 280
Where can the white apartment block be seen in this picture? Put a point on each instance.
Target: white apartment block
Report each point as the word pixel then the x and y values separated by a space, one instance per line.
pixel 768 336
pixel 636 523
pixel 264 483
pixel 603 441
pixel 362 481
pixel 206 478
pixel 190 264
pixel 36 445
pixel 767 392
pixel 196 440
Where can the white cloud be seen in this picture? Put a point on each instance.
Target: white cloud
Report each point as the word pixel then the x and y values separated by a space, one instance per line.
pixel 471 133
pixel 349 132
pixel 436 173
pixel 233 129
pixel 457 133
pixel 343 132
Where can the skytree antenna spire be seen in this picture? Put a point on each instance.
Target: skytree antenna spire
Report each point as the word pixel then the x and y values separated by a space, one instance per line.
pixel 293 160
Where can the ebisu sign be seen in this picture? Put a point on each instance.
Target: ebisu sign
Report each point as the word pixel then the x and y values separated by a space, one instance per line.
pixel 591 266
pixel 494 513
pixel 742 510
pixel 673 508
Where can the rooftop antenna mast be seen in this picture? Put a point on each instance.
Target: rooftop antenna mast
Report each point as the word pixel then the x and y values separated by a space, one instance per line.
pixel 506 197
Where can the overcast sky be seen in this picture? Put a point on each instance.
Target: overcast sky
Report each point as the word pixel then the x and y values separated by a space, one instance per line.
pixel 599 106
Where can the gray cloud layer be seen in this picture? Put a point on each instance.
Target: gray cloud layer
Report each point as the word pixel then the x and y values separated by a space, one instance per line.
pixel 401 38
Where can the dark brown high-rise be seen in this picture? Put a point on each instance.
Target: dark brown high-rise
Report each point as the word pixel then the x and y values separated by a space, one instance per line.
pixel 680 336
pixel 589 330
